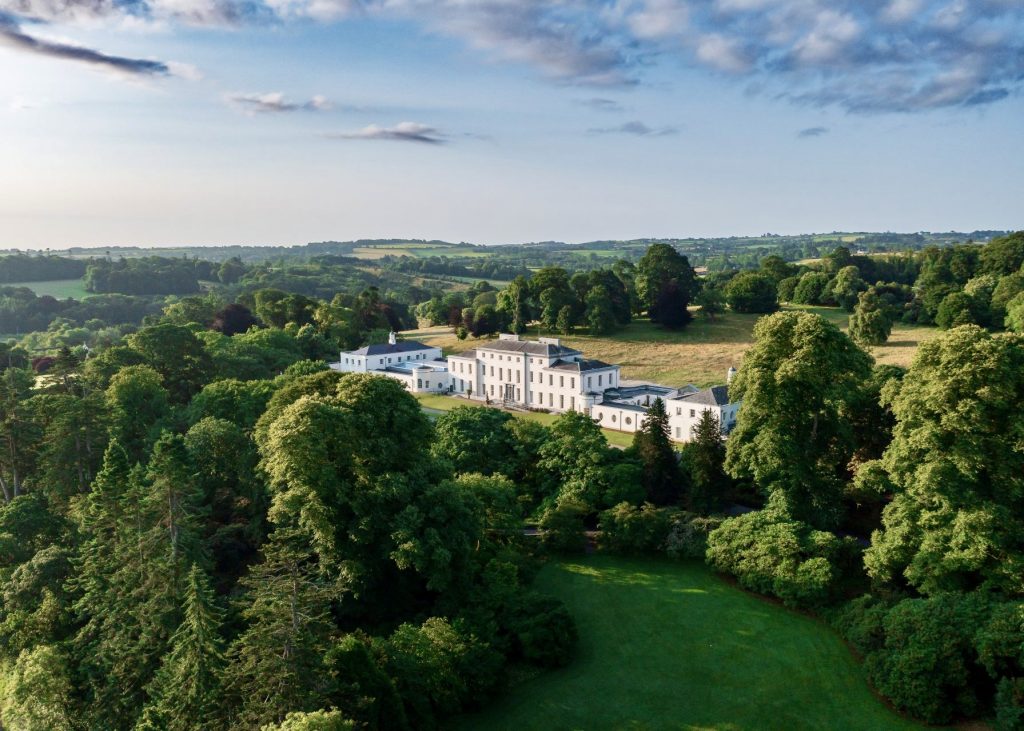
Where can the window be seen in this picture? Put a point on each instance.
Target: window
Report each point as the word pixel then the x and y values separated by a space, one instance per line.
pixel 600 416
pixel 599 381
pixel 677 432
pixel 613 418
pixel 572 383
pixel 492 389
pixel 551 380
pixel 572 403
pixel 518 376
pixel 419 383
pixel 679 411
pixel 561 401
pixel 590 382
pixel 427 385
pixel 492 370
pixel 561 381
pixel 551 399
pixel 693 413
pixel 629 420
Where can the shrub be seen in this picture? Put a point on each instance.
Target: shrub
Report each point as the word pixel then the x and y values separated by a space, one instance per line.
pixel 631 530
pixel 927 665
pixel 773 554
pixel 861 623
pixel 688 536
pixel 542 630
pixel 561 528
pixel 1010 705
pixel 317 721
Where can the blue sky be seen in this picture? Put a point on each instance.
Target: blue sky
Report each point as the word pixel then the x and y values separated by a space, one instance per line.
pixel 161 122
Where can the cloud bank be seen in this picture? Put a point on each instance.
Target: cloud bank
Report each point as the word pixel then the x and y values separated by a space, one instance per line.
pixel 275 102
pixel 864 56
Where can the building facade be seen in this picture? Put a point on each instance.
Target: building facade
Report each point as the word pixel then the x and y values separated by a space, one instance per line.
pixel 421 368
pixel 540 374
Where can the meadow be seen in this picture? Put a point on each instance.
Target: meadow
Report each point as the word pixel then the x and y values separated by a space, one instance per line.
pixel 669 645
pixel 58 288
pixel 701 354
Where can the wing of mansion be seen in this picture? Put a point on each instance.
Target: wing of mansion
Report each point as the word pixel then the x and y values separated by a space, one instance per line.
pixel 541 375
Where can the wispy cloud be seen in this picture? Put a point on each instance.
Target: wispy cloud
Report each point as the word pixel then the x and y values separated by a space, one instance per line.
pixel 275 102
pixel 601 104
pixel 13 36
pixel 401 132
pixel 635 128
pixel 812 132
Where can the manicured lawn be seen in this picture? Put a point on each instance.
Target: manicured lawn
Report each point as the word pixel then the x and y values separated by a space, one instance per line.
pixel 435 404
pixel 701 354
pixel 59 288
pixel 668 645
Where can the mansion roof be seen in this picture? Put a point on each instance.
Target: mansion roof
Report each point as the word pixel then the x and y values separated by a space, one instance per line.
pixel 524 346
pixel 404 346
pixel 714 396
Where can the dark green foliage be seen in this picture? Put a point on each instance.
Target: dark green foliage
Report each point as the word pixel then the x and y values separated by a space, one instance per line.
pixel 662 480
pixel 959 308
pixel 362 687
pixel 704 458
pixel 752 292
pixel 665 285
pixel 542 630
pixel 1009 705
pixel 812 289
pixel 142 275
pixel 633 531
pixel 711 301
pixel 562 529
pixel 474 440
pixel 688 536
pixel 772 554
pixel 870 323
pixel 1003 255
pixel 926 665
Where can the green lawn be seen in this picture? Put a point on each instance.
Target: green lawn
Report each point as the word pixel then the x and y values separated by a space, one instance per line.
pixel 668 645
pixel 434 404
pixel 59 288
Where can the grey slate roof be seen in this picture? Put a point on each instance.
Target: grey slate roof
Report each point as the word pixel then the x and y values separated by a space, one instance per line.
pixel 580 366
pixel 404 346
pixel 523 346
pixel 464 354
pixel 714 396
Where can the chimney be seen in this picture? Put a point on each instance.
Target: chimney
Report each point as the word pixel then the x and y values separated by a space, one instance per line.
pixel 392 339
pixel 730 374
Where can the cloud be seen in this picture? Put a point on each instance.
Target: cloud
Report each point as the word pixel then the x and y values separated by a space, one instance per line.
pixel 812 132
pixel 275 102
pixel 401 132
pixel 601 104
pixel 635 128
pixel 872 57
pixel 11 35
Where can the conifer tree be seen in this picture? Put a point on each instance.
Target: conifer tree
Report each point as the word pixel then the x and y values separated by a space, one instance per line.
pixel 705 456
pixel 185 692
pixel 662 478
pixel 277 664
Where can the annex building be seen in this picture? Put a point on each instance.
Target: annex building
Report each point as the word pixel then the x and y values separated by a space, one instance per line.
pixel 420 367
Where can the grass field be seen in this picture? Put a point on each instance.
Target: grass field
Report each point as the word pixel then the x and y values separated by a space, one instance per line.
pixel 419 251
pixel 59 288
pixel 668 645
pixel 436 404
pixel 701 354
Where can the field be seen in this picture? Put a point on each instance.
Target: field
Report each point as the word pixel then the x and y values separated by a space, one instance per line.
pixel 668 645
pixel 701 354
pixel 59 288
pixel 435 405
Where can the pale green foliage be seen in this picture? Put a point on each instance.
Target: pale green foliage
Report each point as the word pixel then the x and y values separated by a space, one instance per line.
pixel 38 692
pixel 793 435
pixel 957 519
pixel 316 721
pixel 1015 314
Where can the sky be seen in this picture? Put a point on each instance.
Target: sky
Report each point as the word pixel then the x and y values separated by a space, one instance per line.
pixel 170 122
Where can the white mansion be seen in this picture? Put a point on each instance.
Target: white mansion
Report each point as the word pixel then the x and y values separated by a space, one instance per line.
pixel 541 375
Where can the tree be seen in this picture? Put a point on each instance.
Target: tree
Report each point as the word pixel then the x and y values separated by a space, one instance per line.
pixel 1003 255
pixel 787 288
pixel 1015 314
pixel 233 320
pixel 778 268
pixel 177 355
pixel 514 300
pixel 846 286
pixel 812 289
pixel 231 270
pixel 39 692
pixel 752 292
pixel 958 308
pixel 276 664
pixel 662 478
pixel 672 308
pixel 956 521
pixel 474 440
pixel 665 284
pixel 711 301
pixel 138 403
pixel 869 323
pixel 185 693
pixel 564 322
pixel 601 318
pixel 793 435
pixel 704 455
pixel 316 721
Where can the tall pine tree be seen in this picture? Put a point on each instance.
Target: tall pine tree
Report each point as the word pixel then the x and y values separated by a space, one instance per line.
pixel 185 692
pixel 662 478
pixel 705 457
